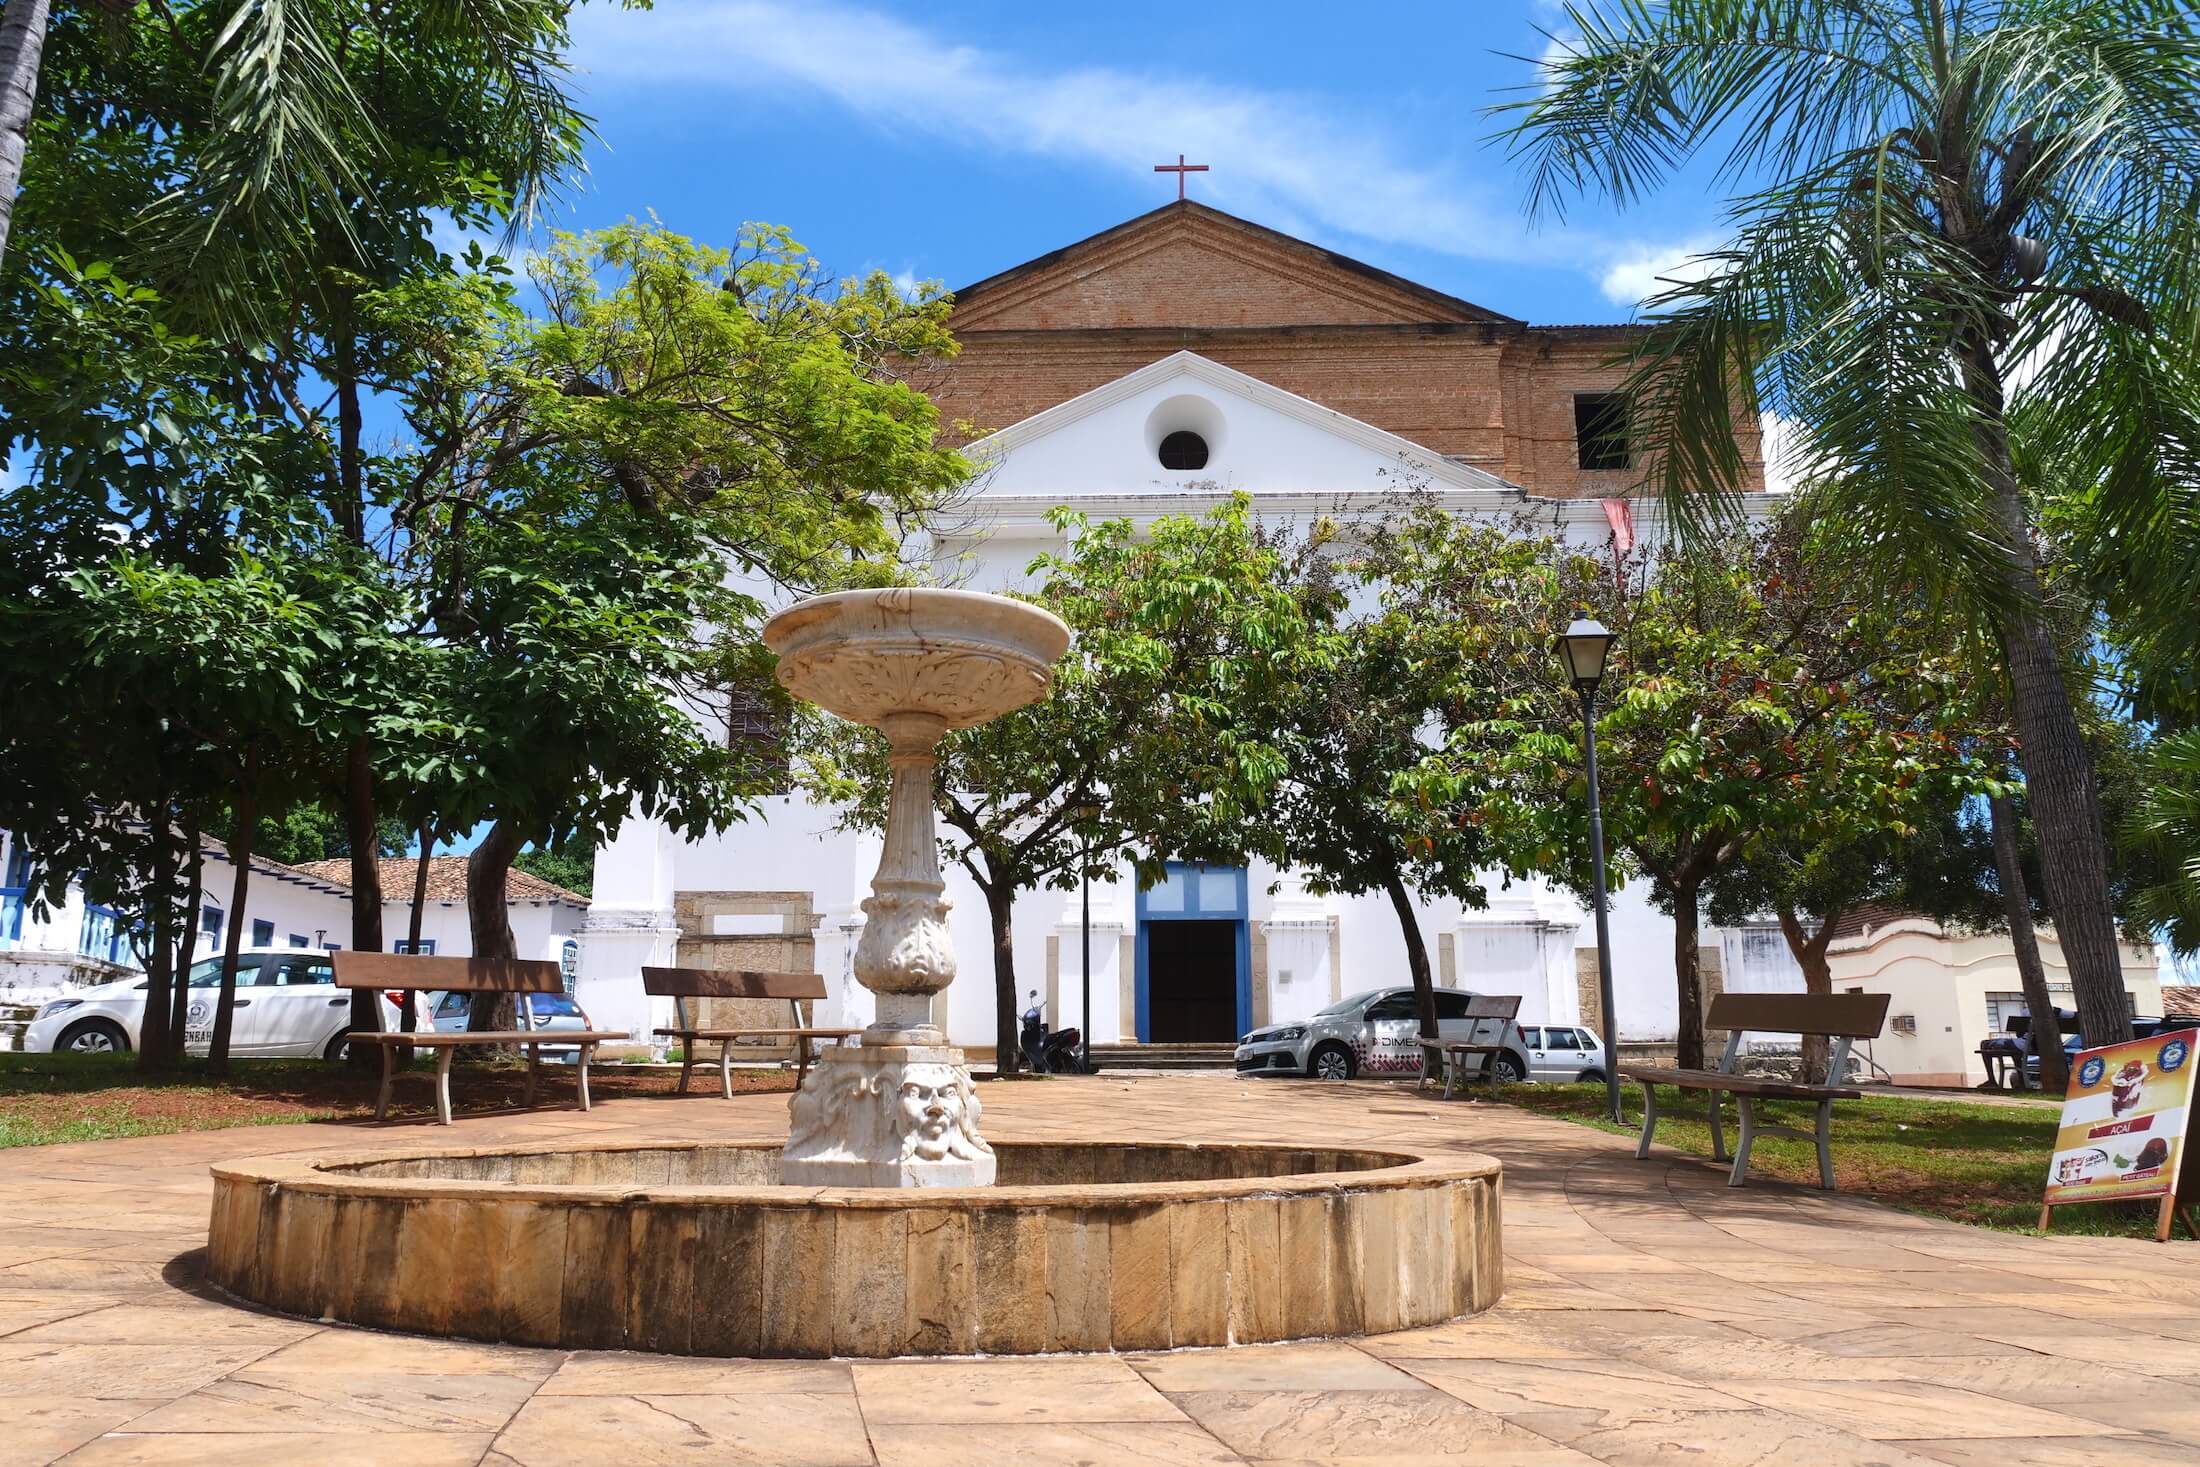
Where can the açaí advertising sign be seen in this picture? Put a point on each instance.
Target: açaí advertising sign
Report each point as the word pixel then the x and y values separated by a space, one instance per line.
pixel 2125 1121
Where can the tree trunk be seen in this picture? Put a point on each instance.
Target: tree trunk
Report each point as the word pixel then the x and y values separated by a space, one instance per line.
pixel 2016 905
pixel 2058 768
pixel 366 888
pixel 1688 975
pixel 240 854
pixel 1810 955
pixel 180 998
pixel 1000 906
pixel 160 961
pixel 22 43
pixel 1409 924
pixel 488 917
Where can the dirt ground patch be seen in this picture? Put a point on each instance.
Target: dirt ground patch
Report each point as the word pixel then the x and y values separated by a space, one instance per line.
pixel 45 1099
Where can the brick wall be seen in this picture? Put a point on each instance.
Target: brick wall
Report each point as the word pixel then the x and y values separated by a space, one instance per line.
pixel 1489 392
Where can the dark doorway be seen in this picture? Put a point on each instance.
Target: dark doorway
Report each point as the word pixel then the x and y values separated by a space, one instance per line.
pixel 1191 982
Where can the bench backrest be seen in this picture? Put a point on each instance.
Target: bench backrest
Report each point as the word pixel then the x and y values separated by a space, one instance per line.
pixel 730 983
pixel 1835 1015
pixel 683 985
pixel 459 975
pixel 1842 1017
pixel 1493 1005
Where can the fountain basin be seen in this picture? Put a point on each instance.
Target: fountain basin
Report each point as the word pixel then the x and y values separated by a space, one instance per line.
pixel 696 1249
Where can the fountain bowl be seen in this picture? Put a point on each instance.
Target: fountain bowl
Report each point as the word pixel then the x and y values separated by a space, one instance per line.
pixel 695 1248
pixel 960 657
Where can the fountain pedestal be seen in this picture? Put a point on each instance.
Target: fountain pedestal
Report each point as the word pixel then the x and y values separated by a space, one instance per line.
pixel 898 1110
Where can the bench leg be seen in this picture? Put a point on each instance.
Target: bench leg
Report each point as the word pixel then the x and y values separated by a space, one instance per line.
pixel 588 1052
pixel 389 1079
pixel 1749 1135
pixel 725 1069
pixel 534 1059
pixel 1649 1121
pixel 1718 1133
pixel 443 1082
pixel 687 1063
pixel 1825 1144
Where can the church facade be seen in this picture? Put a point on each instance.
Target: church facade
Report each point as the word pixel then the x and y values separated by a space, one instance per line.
pixel 1157 368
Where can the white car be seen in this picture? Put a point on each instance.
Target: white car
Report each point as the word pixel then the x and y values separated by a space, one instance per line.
pixel 287 1005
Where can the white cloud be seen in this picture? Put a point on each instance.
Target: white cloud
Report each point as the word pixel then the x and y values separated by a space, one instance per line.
pixel 1278 157
pixel 1647 270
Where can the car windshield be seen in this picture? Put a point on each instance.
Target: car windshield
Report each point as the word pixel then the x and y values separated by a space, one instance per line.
pixel 1350 1004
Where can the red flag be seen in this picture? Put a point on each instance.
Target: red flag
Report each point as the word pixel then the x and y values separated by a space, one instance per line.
pixel 1621 515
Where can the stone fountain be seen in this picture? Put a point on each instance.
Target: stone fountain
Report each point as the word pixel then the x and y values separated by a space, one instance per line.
pixel 899 1110
pixel 886 1225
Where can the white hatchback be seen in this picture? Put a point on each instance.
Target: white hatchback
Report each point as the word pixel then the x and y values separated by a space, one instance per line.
pixel 287 1005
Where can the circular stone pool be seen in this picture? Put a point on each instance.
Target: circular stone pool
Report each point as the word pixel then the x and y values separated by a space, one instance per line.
pixel 697 1249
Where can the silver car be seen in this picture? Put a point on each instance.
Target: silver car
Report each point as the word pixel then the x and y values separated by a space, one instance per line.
pixel 1377 1033
pixel 1563 1053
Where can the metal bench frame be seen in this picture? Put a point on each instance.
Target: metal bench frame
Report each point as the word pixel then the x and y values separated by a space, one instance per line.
pixel 1451 1055
pixel 683 985
pixel 413 975
pixel 1768 1013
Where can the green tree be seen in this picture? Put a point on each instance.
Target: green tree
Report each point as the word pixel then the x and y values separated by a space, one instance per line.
pixel 1390 736
pixel 1962 222
pixel 1186 635
pixel 2165 823
pixel 1753 702
pixel 577 483
pixel 571 864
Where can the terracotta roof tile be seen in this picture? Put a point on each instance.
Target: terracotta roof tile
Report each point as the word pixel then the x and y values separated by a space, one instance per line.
pixel 2180 1001
pixel 446 880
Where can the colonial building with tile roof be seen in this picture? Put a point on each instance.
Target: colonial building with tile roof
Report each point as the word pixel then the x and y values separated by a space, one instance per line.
pixel 1154 368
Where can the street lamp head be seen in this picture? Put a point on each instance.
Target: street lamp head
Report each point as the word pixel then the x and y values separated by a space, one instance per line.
pixel 1583 648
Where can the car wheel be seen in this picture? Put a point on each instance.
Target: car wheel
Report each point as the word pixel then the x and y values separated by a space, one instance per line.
pixel 94 1036
pixel 1510 1070
pixel 1332 1062
pixel 1592 1077
pixel 337 1047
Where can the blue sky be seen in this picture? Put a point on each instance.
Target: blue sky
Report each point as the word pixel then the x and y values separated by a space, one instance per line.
pixel 952 140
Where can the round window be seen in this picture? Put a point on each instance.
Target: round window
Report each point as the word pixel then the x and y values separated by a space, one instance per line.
pixel 1183 449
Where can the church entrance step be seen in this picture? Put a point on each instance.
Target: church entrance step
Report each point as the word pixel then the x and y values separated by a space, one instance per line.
pixel 1164 1056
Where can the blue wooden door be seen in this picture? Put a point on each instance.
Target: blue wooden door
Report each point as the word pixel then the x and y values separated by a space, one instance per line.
pixel 1195 893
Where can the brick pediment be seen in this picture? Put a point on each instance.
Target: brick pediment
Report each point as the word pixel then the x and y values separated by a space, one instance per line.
pixel 1191 267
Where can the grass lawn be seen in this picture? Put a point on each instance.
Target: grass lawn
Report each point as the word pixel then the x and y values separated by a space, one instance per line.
pixel 51 1098
pixel 1974 1163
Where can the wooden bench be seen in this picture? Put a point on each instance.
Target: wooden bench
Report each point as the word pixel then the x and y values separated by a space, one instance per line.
pixel 1842 1017
pixel 1492 1015
pixel 410 975
pixel 683 985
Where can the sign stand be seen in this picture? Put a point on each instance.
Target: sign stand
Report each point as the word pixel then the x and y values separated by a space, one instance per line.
pixel 2126 1130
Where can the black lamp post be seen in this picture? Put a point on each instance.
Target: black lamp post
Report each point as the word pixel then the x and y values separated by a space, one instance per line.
pixel 1583 648
pixel 1083 810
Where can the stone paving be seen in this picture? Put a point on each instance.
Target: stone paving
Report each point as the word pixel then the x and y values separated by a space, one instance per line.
pixel 1653 1316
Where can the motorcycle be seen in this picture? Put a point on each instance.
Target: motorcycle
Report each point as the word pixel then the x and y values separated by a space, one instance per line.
pixel 1050 1052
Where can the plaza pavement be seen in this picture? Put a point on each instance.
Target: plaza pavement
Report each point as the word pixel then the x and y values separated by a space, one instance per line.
pixel 1652 1316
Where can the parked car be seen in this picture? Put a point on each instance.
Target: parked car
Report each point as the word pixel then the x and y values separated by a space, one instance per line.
pixel 2141 1028
pixel 551 1011
pixel 1378 1033
pixel 286 1005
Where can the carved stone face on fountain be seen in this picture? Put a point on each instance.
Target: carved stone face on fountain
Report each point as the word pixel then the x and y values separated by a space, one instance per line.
pixel 937 1109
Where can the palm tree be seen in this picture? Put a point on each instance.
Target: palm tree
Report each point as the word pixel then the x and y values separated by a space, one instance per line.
pixel 288 139
pixel 1960 223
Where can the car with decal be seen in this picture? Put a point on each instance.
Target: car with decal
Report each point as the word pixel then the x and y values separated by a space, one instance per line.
pixel 287 1004
pixel 1377 1033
